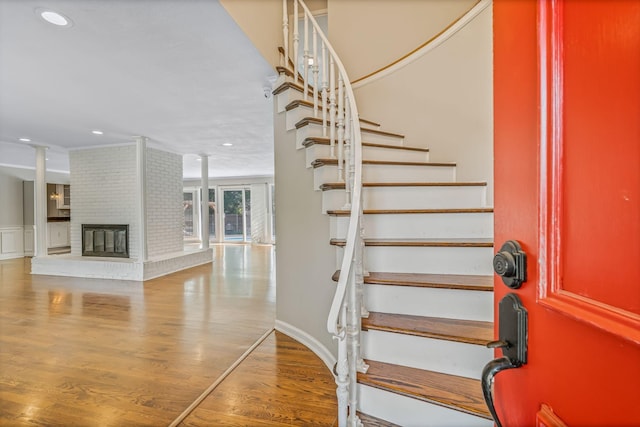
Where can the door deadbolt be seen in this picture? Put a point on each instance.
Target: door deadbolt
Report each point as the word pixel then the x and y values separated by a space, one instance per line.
pixel 510 263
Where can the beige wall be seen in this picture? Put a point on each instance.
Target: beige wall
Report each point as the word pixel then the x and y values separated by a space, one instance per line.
pixel 369 34
pixel 261 21
pixel 10 201
pixel 442 101
pixel 304 259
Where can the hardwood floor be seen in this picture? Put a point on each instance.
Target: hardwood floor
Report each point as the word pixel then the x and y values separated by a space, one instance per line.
pixel 111 353
pixel 297 390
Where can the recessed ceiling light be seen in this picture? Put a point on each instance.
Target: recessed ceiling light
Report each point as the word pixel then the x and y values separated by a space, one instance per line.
pixel 198 159
pixel 54 18
pixel 97 132
pixel 24 140
pixel 227 144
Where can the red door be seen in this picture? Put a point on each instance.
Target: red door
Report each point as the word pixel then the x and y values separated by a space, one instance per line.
pixel 567 187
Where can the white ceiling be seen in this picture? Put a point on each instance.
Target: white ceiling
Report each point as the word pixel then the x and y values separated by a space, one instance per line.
pixel 180 72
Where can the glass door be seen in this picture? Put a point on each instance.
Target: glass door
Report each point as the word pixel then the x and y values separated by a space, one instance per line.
pixel 190 208
pixel 212 213
pixel 237 214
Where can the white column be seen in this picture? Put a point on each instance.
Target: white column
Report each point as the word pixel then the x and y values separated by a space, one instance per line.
pixel 204 176
pixel 141 170
pixel 40 219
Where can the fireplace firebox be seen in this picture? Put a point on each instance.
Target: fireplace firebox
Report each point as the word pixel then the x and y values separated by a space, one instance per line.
pixel 105 240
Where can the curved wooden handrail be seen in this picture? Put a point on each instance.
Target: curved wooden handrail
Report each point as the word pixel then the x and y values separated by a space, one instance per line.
pixel 425 47
pixel 354 226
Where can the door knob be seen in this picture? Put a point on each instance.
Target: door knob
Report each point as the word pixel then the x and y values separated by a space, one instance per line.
pixel 512 340
pixel 510 263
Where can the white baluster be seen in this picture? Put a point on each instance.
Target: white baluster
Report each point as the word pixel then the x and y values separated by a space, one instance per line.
pixel 353 334
pixel 348 154
pixel 340 114
pixel 285 33
pixel 305 69
pixel 332 107
pixel 342 371
pixel 362 271
pixel 325 84
pixel 316 69
pixel 360 309
pixel 296 42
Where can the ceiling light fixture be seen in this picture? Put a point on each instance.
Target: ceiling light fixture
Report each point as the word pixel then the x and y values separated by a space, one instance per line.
pixel 227 144
pixel 55 18
pixel 24 139
pixel 97 132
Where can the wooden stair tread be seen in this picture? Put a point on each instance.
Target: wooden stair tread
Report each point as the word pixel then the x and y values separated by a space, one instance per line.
pixel 298 102
pixel 341 212
pixel 330 162
pixel 457 242
pixel 308 120
pixel 369 122
pixel 340 185
pixel 427 280
pixel 370 421
pixel 288 85
pixel 318 140
pixel 451 391
pixel 284 70
pixel 464 331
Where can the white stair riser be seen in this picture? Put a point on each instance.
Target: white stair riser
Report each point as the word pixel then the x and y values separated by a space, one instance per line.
pixel 433 260
pixel 300 112
pixel 409 412
pixel 419 225
pixel 411 197
pixel 284 98
pixel 430 302
pixel 449 357
pixel 315 130
pixel 318 151
pixel 389 173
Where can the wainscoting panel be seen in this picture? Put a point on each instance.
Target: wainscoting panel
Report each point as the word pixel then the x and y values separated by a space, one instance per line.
pixel 11 242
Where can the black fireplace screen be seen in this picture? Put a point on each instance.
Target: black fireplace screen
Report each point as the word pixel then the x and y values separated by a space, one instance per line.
pixel 105 240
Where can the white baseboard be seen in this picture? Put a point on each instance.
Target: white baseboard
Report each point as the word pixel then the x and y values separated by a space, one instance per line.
pixel 308 341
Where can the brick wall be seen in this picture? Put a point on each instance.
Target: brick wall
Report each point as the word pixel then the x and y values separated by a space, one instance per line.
pixel 164 203
pixel 104 191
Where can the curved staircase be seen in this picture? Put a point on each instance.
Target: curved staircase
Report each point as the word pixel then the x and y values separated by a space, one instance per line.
pixel 428 290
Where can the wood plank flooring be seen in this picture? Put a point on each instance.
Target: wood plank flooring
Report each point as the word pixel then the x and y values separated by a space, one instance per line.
pixel 113 353
pixel 250 396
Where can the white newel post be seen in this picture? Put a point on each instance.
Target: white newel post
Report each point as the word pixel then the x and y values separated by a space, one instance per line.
pixel 141 174
pixel 204 200
pixel 41 201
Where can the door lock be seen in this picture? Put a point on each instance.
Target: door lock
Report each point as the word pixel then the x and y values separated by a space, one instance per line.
pixel 510 263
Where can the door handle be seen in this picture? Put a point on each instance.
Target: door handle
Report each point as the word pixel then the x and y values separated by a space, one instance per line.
pixel 510 263
pixel 512 340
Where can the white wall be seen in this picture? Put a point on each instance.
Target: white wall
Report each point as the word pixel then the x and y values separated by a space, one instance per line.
pixel 104 191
